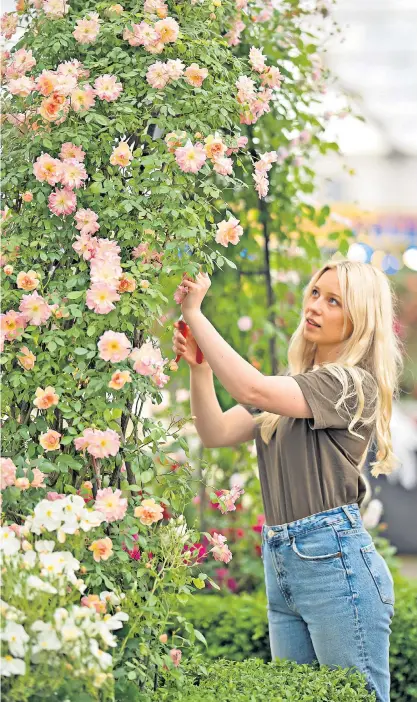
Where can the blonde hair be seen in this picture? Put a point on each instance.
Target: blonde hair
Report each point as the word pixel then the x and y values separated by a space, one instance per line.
pixel 371 357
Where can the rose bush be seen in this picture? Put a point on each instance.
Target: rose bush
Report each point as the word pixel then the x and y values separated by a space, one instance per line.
pixel 123 135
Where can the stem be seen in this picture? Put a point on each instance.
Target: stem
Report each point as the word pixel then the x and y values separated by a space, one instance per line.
pixel 97 477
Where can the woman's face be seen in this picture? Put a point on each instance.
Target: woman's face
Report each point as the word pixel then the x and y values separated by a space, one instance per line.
pixel 324 307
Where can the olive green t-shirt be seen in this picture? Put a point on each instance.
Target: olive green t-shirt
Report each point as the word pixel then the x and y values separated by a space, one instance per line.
pixel 311 465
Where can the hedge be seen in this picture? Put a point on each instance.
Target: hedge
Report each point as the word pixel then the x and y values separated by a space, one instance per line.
pixel 235 627
pixel 255 681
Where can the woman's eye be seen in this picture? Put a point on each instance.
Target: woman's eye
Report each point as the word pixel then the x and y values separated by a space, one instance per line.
pixel 334 300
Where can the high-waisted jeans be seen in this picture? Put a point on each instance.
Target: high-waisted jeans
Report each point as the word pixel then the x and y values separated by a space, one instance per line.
pixel 330 595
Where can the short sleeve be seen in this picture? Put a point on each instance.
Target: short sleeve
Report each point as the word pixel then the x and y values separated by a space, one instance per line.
pixel 322 390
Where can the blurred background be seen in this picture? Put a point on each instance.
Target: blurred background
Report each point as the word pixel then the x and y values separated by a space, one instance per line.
pixel 374 185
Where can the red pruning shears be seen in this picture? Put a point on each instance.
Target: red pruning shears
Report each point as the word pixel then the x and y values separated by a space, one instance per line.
pixel 184 331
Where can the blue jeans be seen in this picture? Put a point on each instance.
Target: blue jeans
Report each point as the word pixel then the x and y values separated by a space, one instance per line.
pixel 330 595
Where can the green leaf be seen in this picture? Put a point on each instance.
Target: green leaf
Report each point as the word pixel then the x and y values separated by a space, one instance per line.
pixel 80 351
pixel 76 294
pixel 199 584
pixel 200 636
pixel 101 119
pixel 146 476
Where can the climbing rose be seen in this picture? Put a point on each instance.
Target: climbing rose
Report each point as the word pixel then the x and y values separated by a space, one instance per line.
pixel 149 512
pixel 87 29
pixel 223 166
pixel 86 221
pixel 8 24
pixel 157 75
pixel 21 86
pixel 46 82
pixel 73 173
pixel 82 98
pixel 12 324
pixel 227 499
pixel 111 504
pixel 34 309
pixel 194 75
pixel 121 155
pixel 7 472
pixel 69 150
pixel 102 549
pixel 27 360
pixel 54 108
pixel 107 88
pixel 55 8
pixel 50 440
pixel 119 379
pixel 47 169
pixel 147 360
pixel 257 59
pixel 175 655
pixel 220 549
pixel 46 398
pixel 214 147
pixel 27 281
pixel 190 158
pixel 100 298
pixel 229 232
pixel 167 30
pixel 99 444
pixel 272 77
pixel 62 202
pixel 114 346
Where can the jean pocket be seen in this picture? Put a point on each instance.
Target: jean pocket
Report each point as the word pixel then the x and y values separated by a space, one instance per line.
pixel 317 545
pixel 380 573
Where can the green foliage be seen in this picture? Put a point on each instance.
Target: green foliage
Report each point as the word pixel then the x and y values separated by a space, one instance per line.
pixel 281 681
pixel 403 642
pixel 236 627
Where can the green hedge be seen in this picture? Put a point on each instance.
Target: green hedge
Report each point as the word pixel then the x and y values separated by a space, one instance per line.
pixel 403 642
pixel 235 627
pixel 281 681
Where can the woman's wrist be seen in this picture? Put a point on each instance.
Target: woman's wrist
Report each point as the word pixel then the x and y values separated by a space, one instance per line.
pixel 200 367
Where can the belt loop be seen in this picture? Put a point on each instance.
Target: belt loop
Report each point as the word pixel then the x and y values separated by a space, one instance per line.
pixel 348 514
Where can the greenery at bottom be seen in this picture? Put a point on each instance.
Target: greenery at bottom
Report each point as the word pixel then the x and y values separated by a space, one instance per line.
pixel 236 628
pixel 254 681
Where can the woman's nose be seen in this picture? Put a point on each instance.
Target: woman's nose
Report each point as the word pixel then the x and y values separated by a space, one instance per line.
pixel 315 306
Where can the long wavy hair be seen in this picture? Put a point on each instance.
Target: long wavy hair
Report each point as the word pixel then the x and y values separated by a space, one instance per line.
pixel 372 355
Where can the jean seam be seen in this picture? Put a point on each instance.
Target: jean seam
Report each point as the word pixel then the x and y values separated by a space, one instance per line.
pixel 358 626
pixel 290 603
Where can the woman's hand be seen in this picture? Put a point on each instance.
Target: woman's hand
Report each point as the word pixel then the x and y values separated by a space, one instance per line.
pixel 196 292
pixel 187 347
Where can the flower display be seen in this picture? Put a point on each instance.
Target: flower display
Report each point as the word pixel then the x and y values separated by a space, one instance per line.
pixel 128 165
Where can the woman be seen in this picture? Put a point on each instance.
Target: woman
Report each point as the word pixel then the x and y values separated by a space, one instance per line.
pixel 330 594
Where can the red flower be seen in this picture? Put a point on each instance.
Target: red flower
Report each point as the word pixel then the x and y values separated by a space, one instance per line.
pixel 195 553
pixel 214 505
pixel 134 552
pixel 260 521
pixel 166 514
